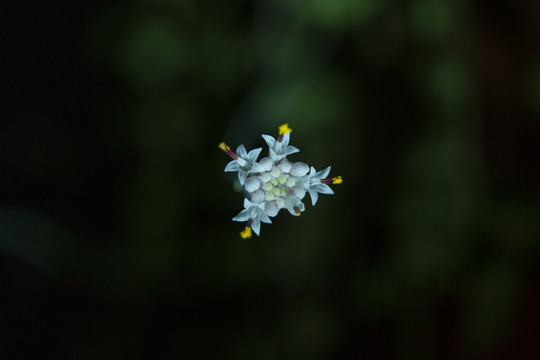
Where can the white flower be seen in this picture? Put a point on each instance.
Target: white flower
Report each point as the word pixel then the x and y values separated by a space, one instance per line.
pixel 294 205
pixel 299 169
pixel 280 148
pixel 243 162
pixel 274 182
pixel 313 184
pixel 253 213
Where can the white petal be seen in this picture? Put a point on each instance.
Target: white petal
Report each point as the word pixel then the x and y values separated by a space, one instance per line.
pixel 323 174
pixel 252 184
pixel 264 217
pixel 322 188
pixel 256 226
pixel 299 169
pixel 286 139
pixel 232 166
pixel 314 197
pixel 241 151
pixel 248 204
pixel 242 176
pixel 254 154
pixel 290 150
pixel 242 216
pixel 270 141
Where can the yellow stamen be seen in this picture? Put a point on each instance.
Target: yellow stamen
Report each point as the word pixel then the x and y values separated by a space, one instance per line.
pixel 224 146
pixel 246 233
pixel 337 180
pixel 283 129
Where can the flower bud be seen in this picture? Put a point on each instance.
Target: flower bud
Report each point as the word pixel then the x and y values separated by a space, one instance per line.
pixel 265 178
pixel 252 184
pixel 271 208
pixel 299 169
pixel 285 166
pixel 291 182
pixel 257 196
pixel 266 163
pixel 275 172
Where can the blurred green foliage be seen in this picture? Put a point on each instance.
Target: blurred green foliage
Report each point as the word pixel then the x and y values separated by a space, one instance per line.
pixel 426 251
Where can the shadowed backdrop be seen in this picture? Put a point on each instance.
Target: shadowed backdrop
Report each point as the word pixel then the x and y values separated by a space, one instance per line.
pixel 116 239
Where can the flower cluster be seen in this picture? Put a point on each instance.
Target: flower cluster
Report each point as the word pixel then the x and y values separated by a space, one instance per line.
pixel 274 183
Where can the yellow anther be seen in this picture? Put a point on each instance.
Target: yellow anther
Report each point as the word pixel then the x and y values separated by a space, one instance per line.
pixel 224 146
pixel 246 233
pixel 337 180
pixel 283 129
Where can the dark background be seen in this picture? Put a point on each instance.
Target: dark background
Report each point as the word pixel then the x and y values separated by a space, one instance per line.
pixel 116 239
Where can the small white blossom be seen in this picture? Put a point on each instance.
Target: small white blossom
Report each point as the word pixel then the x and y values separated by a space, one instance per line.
pixel 274 183
pixel 253 214
pixel 312 183
pixel 294 205
pixel 252 184
pixel 280 148
pixel 243 162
